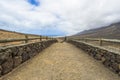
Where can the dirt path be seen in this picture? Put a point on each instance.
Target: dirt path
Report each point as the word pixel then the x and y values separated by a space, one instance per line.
pixel 61 61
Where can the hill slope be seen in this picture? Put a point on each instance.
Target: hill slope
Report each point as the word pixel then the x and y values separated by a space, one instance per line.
pixel 112 32
pixel 4 34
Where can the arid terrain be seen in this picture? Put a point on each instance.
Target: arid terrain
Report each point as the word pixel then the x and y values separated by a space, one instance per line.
pixel 110 32
pixel 4 34
pixel 106 32
pixel 107 45
pixel 61 61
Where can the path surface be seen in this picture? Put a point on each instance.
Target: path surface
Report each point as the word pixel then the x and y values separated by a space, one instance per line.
pixel 61 61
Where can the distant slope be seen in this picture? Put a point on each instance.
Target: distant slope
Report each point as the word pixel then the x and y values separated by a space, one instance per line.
pixel 112 32
pixel 4 34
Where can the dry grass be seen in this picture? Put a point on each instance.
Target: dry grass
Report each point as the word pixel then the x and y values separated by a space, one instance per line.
pixel 108 45
pixel 14 35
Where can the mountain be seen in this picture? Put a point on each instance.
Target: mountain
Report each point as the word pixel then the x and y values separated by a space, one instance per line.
pixel 112 32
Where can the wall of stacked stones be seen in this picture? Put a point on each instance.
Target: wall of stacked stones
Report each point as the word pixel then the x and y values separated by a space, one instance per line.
pixel 110 59
pixel 13 56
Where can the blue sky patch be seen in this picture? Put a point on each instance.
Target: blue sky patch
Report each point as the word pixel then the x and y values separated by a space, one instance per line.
pixel 34 2
pixel 50 32
pixel 46 31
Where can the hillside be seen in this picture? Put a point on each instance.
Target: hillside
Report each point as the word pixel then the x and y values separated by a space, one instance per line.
pixel 112 32
pixel 4 34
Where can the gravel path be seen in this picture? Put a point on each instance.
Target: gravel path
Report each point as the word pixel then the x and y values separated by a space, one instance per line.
pixel 61 61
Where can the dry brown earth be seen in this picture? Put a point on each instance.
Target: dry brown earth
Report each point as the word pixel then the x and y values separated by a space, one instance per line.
pixel 14 35
pixel 61 61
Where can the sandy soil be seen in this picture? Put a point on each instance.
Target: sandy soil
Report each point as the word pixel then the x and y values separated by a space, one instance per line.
pixel 61 61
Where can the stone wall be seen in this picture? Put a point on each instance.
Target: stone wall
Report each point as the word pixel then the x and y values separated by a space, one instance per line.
pixel 13 56
pixel 110 59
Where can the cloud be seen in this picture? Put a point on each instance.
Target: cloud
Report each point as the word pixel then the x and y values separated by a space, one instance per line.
pixel 60 17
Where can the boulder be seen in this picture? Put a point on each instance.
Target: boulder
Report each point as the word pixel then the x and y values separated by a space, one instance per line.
pixel 17 61
pixel 7 66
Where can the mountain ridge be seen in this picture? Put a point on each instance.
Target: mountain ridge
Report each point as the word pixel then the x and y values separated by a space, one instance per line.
pixel 112 31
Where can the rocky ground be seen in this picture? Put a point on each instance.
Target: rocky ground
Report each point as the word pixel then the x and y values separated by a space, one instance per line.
pixel 61 61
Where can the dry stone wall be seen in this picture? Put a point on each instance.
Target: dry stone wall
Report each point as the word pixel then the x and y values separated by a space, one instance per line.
pixel 13 56
pixel 110 59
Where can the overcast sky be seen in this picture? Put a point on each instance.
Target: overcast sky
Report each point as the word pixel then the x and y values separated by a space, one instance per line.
pixel 57 17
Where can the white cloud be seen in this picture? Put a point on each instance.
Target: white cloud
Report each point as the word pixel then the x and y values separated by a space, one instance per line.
pixel 69 16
